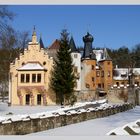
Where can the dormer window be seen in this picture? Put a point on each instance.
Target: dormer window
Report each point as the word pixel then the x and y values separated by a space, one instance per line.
pixel 123 75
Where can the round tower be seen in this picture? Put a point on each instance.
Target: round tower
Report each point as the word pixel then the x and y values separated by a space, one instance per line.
pixel 88 65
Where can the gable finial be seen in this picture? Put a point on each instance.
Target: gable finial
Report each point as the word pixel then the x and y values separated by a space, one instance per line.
pixel 34 37
pixel 34 32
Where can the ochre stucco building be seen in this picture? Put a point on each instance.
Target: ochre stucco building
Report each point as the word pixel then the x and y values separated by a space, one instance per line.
pixel 29 76
pixel 97 67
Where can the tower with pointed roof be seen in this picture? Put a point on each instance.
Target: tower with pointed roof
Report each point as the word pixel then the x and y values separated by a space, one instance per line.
pixel 88 53
pixel 106 69
pixel 88 63
pixel 72 45
pixel 41 42
pixel 76 57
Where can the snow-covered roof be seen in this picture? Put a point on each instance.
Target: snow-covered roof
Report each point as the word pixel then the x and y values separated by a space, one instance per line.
pixel 97 67
pixel 98 54
pixel 31 66
pixel 136 71
pixel 121 72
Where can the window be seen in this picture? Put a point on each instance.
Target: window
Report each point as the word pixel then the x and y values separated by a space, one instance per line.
pixel 22 78
pixel 108 63
pixel 108 73
pixel 99 85
pixel 117 83
pixel 102 73
pixel 27 78
pixel 38 78
pixel 38 99
pixel 122 83
pixel 137 83
pixel 102 85
pixel 124 75
pixel 87 85
pixel 27 100
pixel 93 79
pixel 75 55
pixel 92 67
pixel 33 78
pixel 98 74
pixel 44 63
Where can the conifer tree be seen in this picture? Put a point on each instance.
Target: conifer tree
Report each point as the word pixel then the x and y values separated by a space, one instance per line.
pixel 62 78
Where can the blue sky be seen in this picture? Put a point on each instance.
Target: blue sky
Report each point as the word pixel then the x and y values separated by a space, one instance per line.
pixel 111 26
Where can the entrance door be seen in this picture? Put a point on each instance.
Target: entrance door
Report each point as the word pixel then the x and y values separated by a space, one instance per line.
pixel 38 99
pixel 27 99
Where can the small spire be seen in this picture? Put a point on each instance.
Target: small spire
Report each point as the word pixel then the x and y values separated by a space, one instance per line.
pixel 88 28
pixel 106 55
pixel 34 37
pixel 34 32
pixel 72 45
pixel 41 42
pixel 41 35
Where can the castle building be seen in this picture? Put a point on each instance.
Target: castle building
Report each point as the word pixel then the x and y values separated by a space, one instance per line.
pixel 29 76
pixel 96 67
pixel 30 73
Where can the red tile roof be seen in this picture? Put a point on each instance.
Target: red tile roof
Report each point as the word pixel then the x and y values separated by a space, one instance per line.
pixel 55 45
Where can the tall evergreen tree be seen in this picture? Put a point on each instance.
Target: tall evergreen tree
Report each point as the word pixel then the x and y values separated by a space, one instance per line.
pixel 63 79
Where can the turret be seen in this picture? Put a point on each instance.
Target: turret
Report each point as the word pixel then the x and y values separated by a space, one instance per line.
pixel 106 55
pixel 88 53
pixel 72 45
pixel 41 43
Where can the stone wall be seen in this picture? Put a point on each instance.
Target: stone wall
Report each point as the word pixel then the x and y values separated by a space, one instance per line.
pixel 138 97
pixel 122 95
pixel 86 95
pixel 117 95
pixel 41 122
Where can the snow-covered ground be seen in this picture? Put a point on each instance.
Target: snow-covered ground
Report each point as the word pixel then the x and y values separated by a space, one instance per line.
pixel 95 127
pixel 18 110
pixel 15 110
